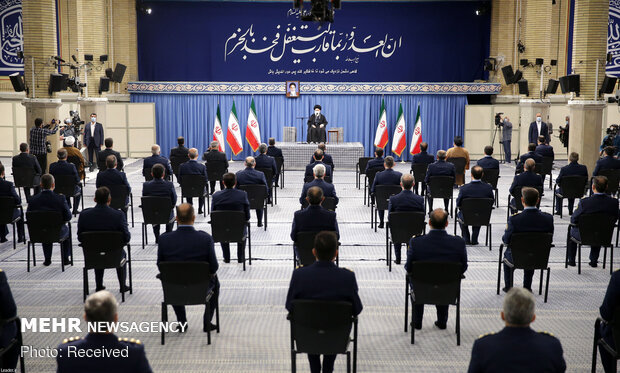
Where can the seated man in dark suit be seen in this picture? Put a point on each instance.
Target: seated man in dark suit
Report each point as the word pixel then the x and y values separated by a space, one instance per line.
pixel 249 176
pixel 610 303
pixel 156 158
pixel 327 159
pixel 192 167
pixel 111 177
pixel 180 151
pixel 265 161
pixel 525 179
pixel 571 169
pixel 377 162
pixel 26 160
pixel 439 168
pixel 543 149
pixel 103 154
pixel 47 200
pixel 231 199
pixel 314 218
pixel 62 167
pixel 531 219
pixel 436 246
pixel 488 161
pixel 76 354
pixel 104 218
pixel 406 200
pixel 187 244
pixel 422 157
pixel 322 280
pixel 318 159
pixel 8 309
pixel 158 187
pixel 214 157
pixel 7 189
pixel 329 190
pixel 475 189
pixel 531 153
pixel 273 150
pixel 598 203
pixel 608 162
pixel 385 177
pixel 517 347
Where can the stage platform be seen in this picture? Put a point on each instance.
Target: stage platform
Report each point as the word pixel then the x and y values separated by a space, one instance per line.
pixel 298 154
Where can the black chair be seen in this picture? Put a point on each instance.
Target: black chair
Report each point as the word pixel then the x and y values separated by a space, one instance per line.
pixel 400 227
pixel 368 180
pixel 459 165
pixel 44 227
pixel 7 206
pixel 440 187
pixel 613 178
pixel 491 176
pixel 268 172
pixel 329 203
pixel 280 167
pixel 187 284
pixel 360 169
pixel 175 163
pixel 119 194
pixel 304 243
pixel 419 173
pixel 194 186
pixel 146 172
pixel 24 178
pixel 321 327
pixel 595 230
pixel 381 200
pixel 229 226
pixel 104 250
pixel 572 187
pixel 517 198
pixel 538 168
pixel 257 195
pixel 101 164
pixel 16 342
pixel 547 168
pixel 434 283
pixel 476 213
pixel 155 211
pixel 65 185
pixel 216 171
pixel 530 251
pixel 599 341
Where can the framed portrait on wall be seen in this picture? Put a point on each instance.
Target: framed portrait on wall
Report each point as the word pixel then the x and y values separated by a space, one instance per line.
pixel 292 88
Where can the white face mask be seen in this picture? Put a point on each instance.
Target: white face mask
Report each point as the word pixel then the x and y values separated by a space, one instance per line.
pixel 317 112
pixel 538 119
pixel 93 119
pixel 566 122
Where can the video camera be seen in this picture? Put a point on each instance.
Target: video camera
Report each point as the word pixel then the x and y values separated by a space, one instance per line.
pixel 612 132
pixel 76 121
pixel 498 119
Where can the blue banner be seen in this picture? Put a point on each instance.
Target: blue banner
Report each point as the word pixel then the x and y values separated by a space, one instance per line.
pixel 613 38
pixel 11 36
pixel 266 42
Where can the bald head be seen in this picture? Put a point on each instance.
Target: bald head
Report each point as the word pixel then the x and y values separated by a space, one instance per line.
pixel 155 149
pixel 193 153
pixel 406 181
pixel 315 195
pixel 250 162
pixel 185 214
pixel 438 219
pixel 530 164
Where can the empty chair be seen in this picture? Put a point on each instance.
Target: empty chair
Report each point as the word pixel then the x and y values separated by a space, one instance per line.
pixel 231 226
pixel 360 169
pixel 186 284
pixel 155 211
pixel 476 213
pixel 401 226
pixel 573 186
pixel 45 227
pixel 195 186
pixel 594 230
pixel 381 200
pixel 440 187
pixel 491 176
pixel 257 195
pixel 120 195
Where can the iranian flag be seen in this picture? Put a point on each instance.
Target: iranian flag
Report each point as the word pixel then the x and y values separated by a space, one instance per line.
pixel 399 142
pixel 381 137
pixel 233 134
pixel 218 134
pixel 416 139
pixel 252 131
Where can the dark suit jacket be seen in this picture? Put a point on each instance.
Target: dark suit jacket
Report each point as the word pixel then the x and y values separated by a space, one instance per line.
pixel 265 161
pixel 26 160
pixel 309 174
pixel 47 200
pixel 475 189
pixel 98 138
pixel 610 303
pixel 488 162
pixel 109 151
pixel 524 157
pixel 386 177
pixel 231 200
pixel 377 162
pixel 440 168
pixel 314 219
pixel 249 176
pixel 160 188
pixel 533 134
pixel 64 168
pixel 151 161
pixel 192 167
pixel 605 163
pixel 322 280
pixel 8 309
pixel 187 244
pixel 215 156
pixel 437 246
pixel 328 189
pixel 179 152
pixel 423 157
pixel 7 189
pixel 572 169
pixel 103 218
pixel 545 151
pixel 112 176
pixel 406 200
pixel 274 151
pixel 526 179
pixel 327 159
pixel 597 203
pixel 528 220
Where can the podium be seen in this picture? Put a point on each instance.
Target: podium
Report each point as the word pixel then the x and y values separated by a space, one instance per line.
pixel 289 134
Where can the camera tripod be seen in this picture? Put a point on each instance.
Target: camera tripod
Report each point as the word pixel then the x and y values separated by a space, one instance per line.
pixel 498 128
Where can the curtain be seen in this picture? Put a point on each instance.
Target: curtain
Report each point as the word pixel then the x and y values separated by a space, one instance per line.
pixel 192 116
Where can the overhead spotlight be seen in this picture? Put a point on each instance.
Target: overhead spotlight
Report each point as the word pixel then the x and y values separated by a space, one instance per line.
pixel 18 82
pixel 554 62
pixel 88 57
pixel 148 10
pixel 509 75
pixel 109 73
pixel 552 86
pixel 142 8
pixel 540 61
pixel 609 83
pixel 523 88
pixel 570 83
pixel 489 64
pixel 483 9
pixel 518 75
pixel 103 58
pixel 104 84
pixel 524 62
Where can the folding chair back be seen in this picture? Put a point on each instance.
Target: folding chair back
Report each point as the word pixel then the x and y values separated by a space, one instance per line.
pixel 436 283
pixel 102 249
pixel 216 170
pixel 119 195
pixel 228 226
pixel 440 186
pixel 321 327
pixel 257 195
pixel 419 171
pixel 530 250
pixel 156 210
pixel 477 211
pixel 383 194
pixel 596 229
pixel 304 242
pixel 7 207
pixel 23 177
pixel 65 185
pixel 573 186
pixel 146 172
pixel 193 185
pixel 459 164
pixel 406 224
pixel 613 178
pixel 185 283
pixel 44 226
pixel 490 176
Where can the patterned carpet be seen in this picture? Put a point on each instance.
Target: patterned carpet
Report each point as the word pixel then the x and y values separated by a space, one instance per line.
pixel 255 333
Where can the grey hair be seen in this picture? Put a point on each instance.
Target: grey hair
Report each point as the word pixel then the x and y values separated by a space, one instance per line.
pixel 262 148
pixel 214 144
pixel 319 170
pixel 519 305
pixel 250 162
pixel 101 306
pixel 155 149
pixel 441 154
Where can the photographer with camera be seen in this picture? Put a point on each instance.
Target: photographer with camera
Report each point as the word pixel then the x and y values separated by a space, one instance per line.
pixel 39 146
pixel 563 136
pixel 67 129
pixel 506 126
pixel 611 139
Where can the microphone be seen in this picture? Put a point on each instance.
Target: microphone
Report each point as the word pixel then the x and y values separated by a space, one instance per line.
pixel 74 59
pixel 57 58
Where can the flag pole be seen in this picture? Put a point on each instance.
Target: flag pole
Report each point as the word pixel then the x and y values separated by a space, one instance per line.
pixel 402 161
